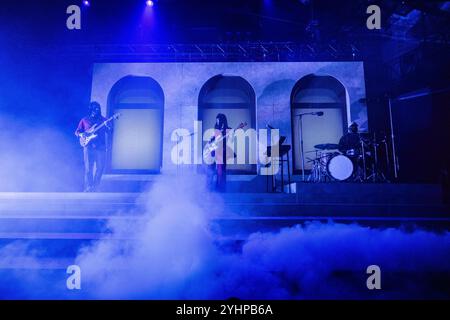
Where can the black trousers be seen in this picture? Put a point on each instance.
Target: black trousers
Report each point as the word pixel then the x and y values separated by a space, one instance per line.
pixel 94 164
pixel 216 177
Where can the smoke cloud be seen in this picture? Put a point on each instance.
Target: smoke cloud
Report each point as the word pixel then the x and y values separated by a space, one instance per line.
pixel 37 158
pixel 171 245
pixel 175 256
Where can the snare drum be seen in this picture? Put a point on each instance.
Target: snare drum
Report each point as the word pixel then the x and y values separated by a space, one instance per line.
pixel 340 167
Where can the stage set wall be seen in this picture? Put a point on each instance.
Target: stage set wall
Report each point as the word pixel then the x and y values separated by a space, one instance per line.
pixel 273 83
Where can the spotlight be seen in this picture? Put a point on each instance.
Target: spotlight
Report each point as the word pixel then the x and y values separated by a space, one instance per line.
pixel 149 3
pixel 86 3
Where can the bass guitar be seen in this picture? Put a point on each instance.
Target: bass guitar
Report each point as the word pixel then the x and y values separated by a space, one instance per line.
pixel 210 147
pixel 90 134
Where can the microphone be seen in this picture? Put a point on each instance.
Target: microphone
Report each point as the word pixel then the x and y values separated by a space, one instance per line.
pixel 270 127
pixel 318 113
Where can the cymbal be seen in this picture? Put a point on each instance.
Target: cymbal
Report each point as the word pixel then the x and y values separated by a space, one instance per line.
pixel 327 146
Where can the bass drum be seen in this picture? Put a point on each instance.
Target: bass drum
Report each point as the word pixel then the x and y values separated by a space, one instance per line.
pixel 340 167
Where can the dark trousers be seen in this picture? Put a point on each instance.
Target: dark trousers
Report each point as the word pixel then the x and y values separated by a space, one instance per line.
pixel 221 170
pixel 93 158
pixel 216 177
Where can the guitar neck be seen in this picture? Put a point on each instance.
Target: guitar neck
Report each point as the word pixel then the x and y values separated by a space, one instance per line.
pixel 101 125
pixel 227 134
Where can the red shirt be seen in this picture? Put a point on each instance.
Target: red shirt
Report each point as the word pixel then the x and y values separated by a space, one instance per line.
pixel 85 124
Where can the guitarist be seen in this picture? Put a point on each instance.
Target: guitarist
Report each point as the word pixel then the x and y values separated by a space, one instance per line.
pixel 221 128
pixel 95 152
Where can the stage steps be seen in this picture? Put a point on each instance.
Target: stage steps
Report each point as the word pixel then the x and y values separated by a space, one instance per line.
pixel 89 211
pixel 58 224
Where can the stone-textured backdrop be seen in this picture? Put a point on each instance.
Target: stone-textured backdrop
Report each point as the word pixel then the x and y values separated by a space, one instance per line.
pixel 271 81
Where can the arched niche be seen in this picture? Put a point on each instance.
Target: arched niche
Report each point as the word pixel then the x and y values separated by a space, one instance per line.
pixel 136 142
pixel 234 97
pixel 314 93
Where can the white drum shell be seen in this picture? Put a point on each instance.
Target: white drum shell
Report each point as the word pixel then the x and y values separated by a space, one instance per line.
pixel 340 167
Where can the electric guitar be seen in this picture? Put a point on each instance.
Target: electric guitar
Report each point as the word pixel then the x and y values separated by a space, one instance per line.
pixel 88 135
pixel 212 146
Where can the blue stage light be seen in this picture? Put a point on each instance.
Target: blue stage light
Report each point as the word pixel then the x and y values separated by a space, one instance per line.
pixel 149 3
pixel 86 3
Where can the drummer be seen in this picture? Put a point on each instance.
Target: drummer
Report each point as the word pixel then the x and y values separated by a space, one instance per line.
pixel 349 144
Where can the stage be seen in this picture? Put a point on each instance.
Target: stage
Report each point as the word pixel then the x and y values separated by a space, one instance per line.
pixel 256 150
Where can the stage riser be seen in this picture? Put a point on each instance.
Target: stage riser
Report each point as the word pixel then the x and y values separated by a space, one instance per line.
pixel 369 193
pixel 53 225
pixel 49 248
pixel 339 210
pixel 42 207
pixel 257 185
pixel 246 209
pixel 51 243
pixel 240 230
pixel 249 210
pixel 99 229
pixel 341 192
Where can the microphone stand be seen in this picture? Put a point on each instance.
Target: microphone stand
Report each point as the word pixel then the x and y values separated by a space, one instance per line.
pixel 361 141
pixel 301 140
pixel 394 155
pixel 301 147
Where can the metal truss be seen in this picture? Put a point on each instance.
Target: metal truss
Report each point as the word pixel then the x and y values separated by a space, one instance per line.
pixel 254 51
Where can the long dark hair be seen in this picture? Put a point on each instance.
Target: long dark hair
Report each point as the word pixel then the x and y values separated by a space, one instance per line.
pixel 95 106
pixel 223 122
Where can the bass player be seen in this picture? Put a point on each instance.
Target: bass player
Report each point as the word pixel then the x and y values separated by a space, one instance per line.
pixel 95 151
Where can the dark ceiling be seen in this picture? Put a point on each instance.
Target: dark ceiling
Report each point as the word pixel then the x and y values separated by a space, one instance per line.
pixel 176 21
pixel 235 29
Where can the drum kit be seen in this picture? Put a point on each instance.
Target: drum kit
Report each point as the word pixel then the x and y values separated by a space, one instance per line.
pixel 333 162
